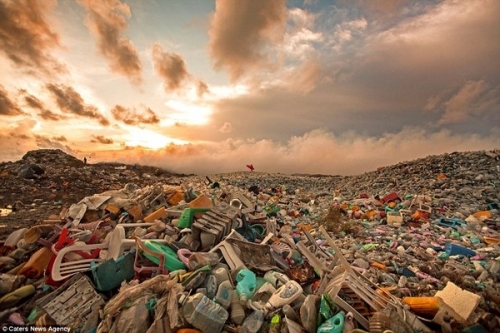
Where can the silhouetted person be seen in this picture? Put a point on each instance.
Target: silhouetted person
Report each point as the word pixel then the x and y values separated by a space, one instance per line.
pixel 84 160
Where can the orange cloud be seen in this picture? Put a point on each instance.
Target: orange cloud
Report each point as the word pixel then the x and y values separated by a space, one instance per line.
pixel 36 104
pixel 26 38
pixel 107 20
pixel 8 107
pixel 102 139
pixel 131 116
pixel 72 102
pixel 240 31
pixel 170 67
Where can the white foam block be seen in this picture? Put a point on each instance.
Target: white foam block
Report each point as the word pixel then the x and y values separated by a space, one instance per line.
pixel 461 302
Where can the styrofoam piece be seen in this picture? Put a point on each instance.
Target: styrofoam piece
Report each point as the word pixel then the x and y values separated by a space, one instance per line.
pixel 454 296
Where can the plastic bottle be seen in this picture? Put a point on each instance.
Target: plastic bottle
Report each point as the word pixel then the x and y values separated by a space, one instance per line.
pixel 211 286
pixel 253 323
pixel 245 284
pixel 349 324
pixel 223 296
pixel 333 325
pixel 277 279
pixel 286 294
pixel 221 274
pixel 204 314
pixel 308 314
pixel 237 310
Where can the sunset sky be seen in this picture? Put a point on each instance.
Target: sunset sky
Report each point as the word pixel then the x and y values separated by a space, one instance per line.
pixel 201 86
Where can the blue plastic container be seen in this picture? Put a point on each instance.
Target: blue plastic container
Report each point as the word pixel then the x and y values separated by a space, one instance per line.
pixel 455 249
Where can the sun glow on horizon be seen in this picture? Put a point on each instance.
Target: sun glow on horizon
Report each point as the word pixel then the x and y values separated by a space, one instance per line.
pixel 138 137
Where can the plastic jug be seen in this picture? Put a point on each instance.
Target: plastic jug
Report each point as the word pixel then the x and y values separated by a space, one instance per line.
pixel 223 296
pixel 204 314
pixel 253 323
pixel 246 282
pixel 286 294
pixel 333 325
pixel 237 310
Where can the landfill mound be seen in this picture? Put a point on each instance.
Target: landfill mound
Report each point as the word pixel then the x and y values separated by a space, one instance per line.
pixel 109 247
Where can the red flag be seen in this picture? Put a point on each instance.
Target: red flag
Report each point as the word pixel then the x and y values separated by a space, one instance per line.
pixel 250 166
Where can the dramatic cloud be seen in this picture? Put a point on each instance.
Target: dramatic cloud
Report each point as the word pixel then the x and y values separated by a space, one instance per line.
pixel 300 40
pixel 108 21
pixel 8 107
pixel 131 116
pixel 36 104
pixel 26 38
pixel 43 142
pixel 72 102
pixel 170 67
pixel 101 139
pixel 17 138
pixel 240 32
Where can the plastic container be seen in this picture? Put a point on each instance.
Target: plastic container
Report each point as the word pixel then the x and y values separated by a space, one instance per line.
pixel 333 325
pixel 221 274
pixel 253 323
pixel 455 249
pixel 211 286
pixel 204 314
pixel 424 306
pixel 277 279
pixel 309 313
pixel 200 259
pixel 286 294
pixel 223 296
pixel 349 324
pixel 246 282
pixel 237 310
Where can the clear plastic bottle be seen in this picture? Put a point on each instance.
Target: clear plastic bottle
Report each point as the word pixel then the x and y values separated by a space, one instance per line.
pixel 253 323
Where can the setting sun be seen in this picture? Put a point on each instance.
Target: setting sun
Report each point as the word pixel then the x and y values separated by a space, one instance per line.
pixel 138 137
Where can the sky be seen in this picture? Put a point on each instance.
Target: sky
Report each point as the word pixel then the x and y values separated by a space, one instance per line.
pixel 199 86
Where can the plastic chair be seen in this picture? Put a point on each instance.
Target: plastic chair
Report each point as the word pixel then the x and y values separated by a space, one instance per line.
pixel 61 268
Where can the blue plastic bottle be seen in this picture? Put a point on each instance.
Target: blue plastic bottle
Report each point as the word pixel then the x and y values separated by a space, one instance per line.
pixel 333 325
pixel 246 284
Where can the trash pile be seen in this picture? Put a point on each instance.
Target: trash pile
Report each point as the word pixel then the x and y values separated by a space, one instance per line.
pixel 413 247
